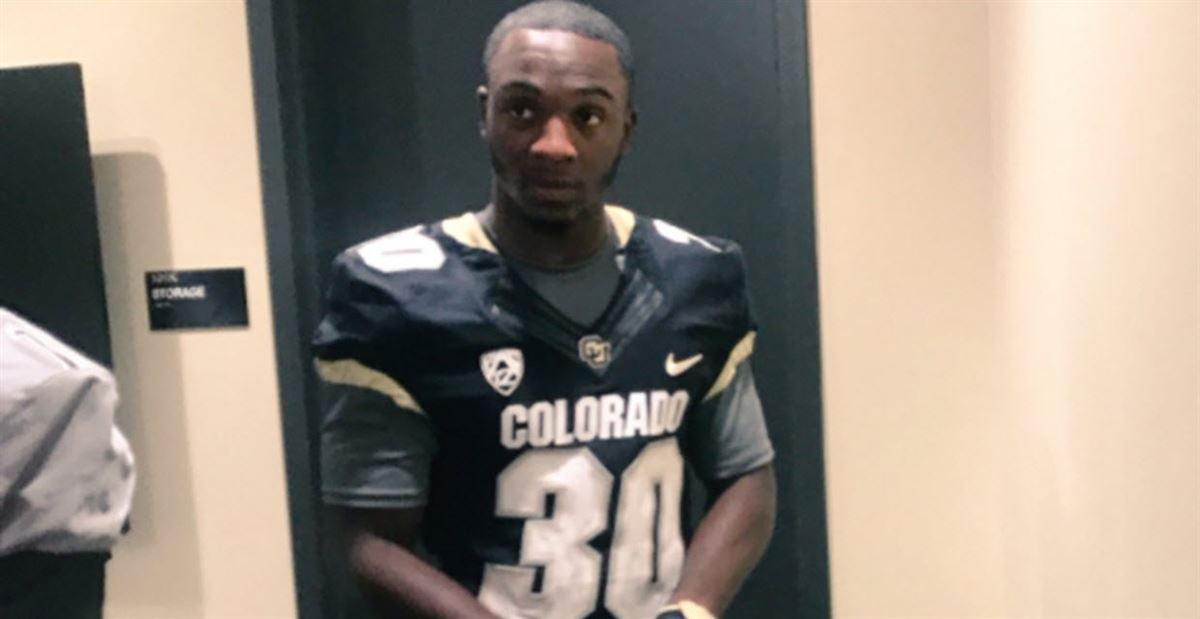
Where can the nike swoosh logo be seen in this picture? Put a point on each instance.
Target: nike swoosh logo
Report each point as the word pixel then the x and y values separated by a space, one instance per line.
pixel 675 368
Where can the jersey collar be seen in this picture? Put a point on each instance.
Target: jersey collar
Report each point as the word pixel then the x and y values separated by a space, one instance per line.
pixel 467 230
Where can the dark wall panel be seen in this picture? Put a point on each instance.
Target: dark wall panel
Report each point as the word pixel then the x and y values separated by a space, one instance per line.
pixel 49 239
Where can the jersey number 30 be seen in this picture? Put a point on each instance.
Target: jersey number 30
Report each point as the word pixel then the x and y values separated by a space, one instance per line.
pixel 646 555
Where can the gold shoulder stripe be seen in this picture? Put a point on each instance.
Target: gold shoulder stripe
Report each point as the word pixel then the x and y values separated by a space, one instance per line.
pixel 739 354
pixel 622 220
pixel 355 374
pixel 467 230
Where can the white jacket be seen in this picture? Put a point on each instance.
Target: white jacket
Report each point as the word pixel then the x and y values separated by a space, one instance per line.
pixel 66 472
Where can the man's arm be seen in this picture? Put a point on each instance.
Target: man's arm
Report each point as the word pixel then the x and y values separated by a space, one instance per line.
pixel 729 541
pixel 379 546
pixel 375 460
pixel 730 449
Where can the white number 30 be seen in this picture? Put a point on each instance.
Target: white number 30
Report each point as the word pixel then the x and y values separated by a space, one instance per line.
pixel 646 554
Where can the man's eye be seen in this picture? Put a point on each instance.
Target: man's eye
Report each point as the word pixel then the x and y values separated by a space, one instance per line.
pixel 590 118
pixel 521 112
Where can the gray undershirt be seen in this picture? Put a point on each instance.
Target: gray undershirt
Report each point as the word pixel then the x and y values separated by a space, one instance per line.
pixel 582 292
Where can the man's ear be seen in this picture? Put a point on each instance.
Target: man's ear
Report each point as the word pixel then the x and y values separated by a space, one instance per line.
pixel 630 124
pixel 482 93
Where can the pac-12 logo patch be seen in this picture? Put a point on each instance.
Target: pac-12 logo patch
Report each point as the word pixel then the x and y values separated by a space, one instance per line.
pixel 595 351
pixel 503 369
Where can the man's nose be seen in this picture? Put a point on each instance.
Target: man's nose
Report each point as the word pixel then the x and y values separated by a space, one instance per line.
pixel 554 143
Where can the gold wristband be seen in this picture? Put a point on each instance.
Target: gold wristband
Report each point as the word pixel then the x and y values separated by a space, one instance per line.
pixel 689 609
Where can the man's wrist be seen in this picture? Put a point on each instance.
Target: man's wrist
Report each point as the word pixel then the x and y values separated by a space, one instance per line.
pixel 684 609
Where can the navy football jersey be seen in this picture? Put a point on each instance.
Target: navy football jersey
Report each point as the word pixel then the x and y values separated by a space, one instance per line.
pixel 557 483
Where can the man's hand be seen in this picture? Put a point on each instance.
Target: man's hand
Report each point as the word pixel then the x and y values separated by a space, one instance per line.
pixel 728 543
pixel 379 548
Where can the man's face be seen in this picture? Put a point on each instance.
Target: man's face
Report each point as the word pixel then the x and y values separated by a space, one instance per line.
pixel 556 117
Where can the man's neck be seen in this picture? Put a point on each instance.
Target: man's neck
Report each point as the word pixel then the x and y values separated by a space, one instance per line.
pixel 547 246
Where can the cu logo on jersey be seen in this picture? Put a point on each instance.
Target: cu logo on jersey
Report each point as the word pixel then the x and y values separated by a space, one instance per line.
pixel 595 351
pixel 503 369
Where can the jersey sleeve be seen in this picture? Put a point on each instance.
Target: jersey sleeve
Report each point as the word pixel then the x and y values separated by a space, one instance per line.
pixel 374 453
pixel 728 289
pixel 377 445
pixel 729 435
pixel 362 338
pixel 745 320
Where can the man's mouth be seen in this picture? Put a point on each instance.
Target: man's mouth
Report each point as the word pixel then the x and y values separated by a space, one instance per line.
pixel 555 189
pixel 555 183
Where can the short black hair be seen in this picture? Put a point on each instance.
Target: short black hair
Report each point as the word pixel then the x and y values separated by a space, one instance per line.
pixel 568 16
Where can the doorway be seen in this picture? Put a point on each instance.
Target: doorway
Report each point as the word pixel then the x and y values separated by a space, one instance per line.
pixel 368 123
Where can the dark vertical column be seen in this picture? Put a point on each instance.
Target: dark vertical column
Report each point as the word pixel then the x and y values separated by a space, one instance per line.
pixel 790 360
pixel 287 211
pixel 49 237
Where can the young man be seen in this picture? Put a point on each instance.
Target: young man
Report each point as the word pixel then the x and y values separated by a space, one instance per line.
pixel 520 386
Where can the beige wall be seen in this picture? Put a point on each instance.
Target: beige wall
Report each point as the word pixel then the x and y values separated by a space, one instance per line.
pixel 1008 231
pixel 1097 115
pixel 1007 205
pixel 172 129
pixel 908 246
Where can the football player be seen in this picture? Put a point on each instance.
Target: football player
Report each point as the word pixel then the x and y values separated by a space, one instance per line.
pixel 521 386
